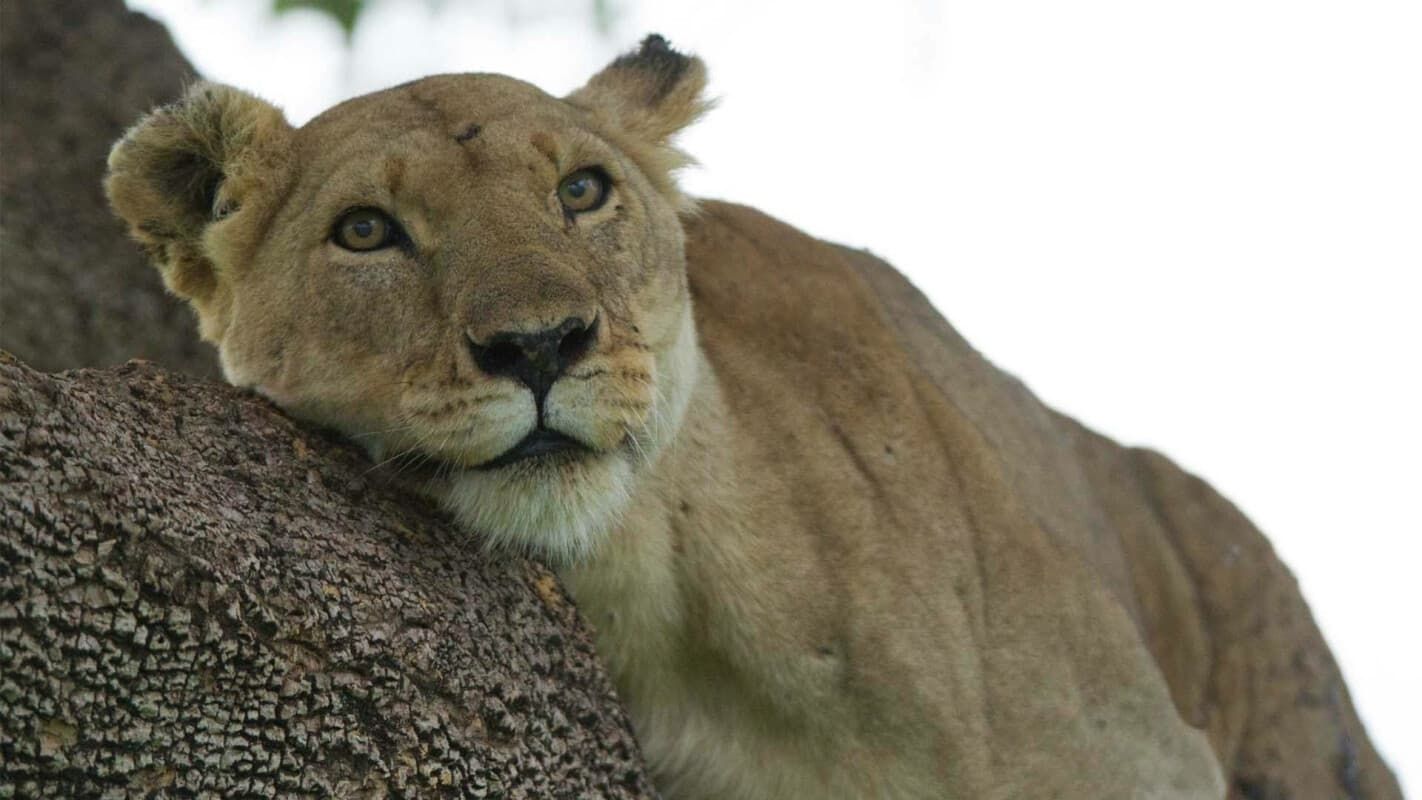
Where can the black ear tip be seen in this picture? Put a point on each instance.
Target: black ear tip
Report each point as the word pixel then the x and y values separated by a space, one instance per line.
pixel 654 54
pixel 654 43
pixel 654 51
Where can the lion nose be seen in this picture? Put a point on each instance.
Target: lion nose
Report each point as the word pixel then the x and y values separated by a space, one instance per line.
pixel 535 359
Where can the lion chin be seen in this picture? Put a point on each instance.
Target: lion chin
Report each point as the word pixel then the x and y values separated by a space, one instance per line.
pixel 558 507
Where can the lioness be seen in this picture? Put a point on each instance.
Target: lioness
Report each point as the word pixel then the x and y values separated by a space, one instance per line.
pixel 829 550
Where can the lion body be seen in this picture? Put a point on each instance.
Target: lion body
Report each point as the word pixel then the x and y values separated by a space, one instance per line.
pixel 852 578
pixel 828 549
pixel 968 595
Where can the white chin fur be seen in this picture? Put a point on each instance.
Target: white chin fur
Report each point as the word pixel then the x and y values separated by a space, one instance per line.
pixel 558 512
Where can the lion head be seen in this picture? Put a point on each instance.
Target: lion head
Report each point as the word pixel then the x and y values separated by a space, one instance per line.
pixel 461 272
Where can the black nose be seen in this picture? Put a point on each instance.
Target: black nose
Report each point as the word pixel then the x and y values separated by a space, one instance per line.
pixel 535 359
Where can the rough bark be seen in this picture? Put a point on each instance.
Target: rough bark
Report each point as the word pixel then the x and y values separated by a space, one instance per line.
pixel 74 291
pixel 200 598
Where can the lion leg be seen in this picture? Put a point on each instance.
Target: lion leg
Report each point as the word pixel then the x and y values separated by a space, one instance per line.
pixel 1274 703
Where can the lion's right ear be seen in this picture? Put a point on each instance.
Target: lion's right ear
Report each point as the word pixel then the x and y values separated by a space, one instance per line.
pixel 187 165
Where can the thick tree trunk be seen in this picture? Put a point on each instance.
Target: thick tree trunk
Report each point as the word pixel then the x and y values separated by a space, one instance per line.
pixel 199 597
pixel 74 291
pixel 196 596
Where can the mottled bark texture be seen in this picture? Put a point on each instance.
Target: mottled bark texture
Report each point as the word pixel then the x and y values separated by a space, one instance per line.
pixel 74 291
pixel 200 598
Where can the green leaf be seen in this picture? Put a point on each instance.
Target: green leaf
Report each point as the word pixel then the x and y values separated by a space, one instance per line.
pixel 344 12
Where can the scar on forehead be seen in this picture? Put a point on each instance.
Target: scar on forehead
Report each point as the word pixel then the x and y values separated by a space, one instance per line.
pixel 543 143
pixel 394 173
pixel 469 133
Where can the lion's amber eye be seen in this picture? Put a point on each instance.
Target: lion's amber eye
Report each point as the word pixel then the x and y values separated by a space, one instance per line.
pixel 365 229
pixel 584 190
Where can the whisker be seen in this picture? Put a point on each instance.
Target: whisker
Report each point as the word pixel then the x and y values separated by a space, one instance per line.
pixel 444 468
pixel 415 455
pixel 636 445
pixel 395 429
pixel 379 464
pixel 402 453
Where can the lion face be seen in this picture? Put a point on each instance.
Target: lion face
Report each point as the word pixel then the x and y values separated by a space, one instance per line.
pixel 471 278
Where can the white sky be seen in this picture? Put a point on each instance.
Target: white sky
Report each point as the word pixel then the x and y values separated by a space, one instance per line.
pixel 1193 225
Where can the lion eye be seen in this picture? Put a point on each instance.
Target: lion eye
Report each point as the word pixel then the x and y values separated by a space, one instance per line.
pixel 584 190
pixel 365 229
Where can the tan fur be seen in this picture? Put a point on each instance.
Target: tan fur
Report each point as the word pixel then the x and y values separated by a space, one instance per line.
pixel 829 550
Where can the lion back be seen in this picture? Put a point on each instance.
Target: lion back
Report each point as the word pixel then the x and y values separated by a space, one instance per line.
pixel 1221 617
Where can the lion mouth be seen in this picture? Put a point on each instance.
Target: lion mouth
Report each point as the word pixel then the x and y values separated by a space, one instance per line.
pixel 538 443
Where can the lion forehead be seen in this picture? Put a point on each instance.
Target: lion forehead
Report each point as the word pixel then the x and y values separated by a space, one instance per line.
pixel 446 103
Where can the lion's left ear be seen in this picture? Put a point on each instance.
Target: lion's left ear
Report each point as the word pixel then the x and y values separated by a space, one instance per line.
pixel 649 95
